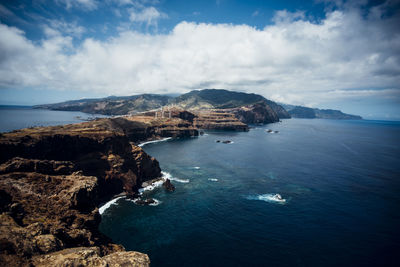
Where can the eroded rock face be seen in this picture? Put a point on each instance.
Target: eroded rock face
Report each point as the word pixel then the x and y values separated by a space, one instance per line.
pixel 219 119
pixel 257 113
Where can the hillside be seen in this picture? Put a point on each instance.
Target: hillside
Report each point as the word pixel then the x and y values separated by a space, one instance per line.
pixel 194 100
pixel 112 105
pixel 224 99
pixel 311 113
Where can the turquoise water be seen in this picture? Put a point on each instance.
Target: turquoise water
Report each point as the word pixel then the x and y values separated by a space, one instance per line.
pixel 340 179
pixel 18 117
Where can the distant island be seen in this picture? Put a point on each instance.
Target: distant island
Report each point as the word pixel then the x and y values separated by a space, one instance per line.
pixel 248 108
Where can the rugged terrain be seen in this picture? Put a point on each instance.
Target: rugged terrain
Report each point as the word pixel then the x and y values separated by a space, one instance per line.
pixel 112 105
pixel 52 180
pixel 194 101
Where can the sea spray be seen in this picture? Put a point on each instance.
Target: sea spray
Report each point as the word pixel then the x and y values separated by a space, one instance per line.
pixel 103 208
pixel 167 175
pixel 272 198
pixel 154 141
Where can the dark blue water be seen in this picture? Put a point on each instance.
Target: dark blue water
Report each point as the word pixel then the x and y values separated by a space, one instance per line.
pixel 18 117
pixel 340 179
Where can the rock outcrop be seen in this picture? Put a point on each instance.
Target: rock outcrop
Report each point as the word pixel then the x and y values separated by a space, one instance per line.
pixel 256 113
pixel 52 179
pixel 217 119
pixel 168 185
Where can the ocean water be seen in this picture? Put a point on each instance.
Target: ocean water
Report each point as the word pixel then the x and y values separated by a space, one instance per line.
pixel 340 181
pixel 18 117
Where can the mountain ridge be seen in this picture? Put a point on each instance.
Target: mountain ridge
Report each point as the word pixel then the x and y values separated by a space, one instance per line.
pixel 198 100
pixel 316 113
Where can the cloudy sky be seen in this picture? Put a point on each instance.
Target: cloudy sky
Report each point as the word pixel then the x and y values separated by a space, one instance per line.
pixel 328 54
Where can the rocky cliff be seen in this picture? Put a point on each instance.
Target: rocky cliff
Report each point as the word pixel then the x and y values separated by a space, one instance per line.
pixel 52 180
pixel 217 119
pixel 256 113
pixel 229 100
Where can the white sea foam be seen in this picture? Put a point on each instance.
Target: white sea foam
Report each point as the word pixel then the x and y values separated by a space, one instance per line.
pixel 273 198
pixel 197 168
pixel 151 186
pixel 156 201
pixel 213 179
pixel 154 141
pixel 167 175
pixel 103 208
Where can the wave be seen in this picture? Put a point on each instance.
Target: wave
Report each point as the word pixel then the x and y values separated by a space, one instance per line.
pixel 197 168
pixel 151 186
pixel 154 141
pixel 213 179
pixel 273 198
pixel 103 208
pixel 167 175
pixel 156 202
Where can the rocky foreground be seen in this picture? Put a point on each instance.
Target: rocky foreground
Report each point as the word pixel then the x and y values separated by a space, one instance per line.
pixel 52 180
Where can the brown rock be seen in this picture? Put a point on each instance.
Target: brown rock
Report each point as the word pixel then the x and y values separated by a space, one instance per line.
pixel 168 186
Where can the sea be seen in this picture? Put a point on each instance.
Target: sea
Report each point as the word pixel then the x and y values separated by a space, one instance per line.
pixel 18 117
pixel 338 205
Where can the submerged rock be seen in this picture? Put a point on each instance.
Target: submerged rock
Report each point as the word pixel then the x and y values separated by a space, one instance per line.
pixel 146 201
pixel 227 142
pixel 168 185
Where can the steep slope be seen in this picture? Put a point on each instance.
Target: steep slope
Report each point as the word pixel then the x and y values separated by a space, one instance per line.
pixel 238 102
pixel 215 98
pixel 112 105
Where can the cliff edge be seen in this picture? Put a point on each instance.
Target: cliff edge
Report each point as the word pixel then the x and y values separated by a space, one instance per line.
pixel 52 180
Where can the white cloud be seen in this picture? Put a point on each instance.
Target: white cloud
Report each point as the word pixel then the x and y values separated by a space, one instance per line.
pixel 294 60
pixel 84 4
pixel 149 15
pixel 60 27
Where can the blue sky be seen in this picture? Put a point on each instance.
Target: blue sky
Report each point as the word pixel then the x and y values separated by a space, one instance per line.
pixel 328 54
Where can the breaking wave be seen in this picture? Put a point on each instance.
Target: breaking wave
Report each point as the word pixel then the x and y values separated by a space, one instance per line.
pixel 154 141
pixel 273 198
pixel 156 202
pixel 167 175
pixel 103 208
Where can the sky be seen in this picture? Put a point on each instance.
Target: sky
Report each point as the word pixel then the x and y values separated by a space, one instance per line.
pixel 327 54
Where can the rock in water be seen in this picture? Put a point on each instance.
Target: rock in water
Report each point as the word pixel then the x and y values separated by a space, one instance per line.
pixel 144 202
pixel 168 186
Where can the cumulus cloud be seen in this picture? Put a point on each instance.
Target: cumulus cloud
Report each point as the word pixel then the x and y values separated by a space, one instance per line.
pixel 294 60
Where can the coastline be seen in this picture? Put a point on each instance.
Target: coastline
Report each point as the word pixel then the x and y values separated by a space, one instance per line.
pixel 100 164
